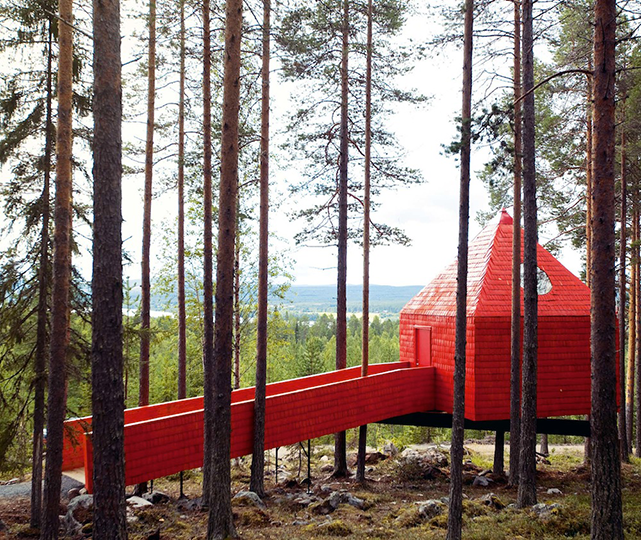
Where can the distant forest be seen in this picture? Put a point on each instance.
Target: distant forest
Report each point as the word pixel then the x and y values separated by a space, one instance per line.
pixel 385 300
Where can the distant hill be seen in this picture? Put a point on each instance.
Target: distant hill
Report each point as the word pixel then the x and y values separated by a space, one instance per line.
pixel 387 300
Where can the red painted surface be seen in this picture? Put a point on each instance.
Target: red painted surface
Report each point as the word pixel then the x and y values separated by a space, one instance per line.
pixel 167 438
pixel 343 400
pixel 563 332
pixel 73 451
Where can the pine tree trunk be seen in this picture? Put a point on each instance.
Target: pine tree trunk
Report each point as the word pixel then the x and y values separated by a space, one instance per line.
pixel 515 329
pixel 106 357
pixel 340 444
pixel 221 523
pixel 236 370
pixel 362 432
pixel 623 430
pixel 588 212
pixel 499 453
pixel 527 459
pixel 607 518
pixel 631 356
pixel 182 312
pixel 208 260
pixel 256 482
pixel 145 289
pixel 44 287
pixel 455 515
pixel 60 310
pixel 545 448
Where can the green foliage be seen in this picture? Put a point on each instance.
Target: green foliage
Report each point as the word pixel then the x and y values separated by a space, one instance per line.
pixel 311 41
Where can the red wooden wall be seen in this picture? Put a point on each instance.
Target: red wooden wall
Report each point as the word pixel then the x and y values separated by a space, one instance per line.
pixel 167 438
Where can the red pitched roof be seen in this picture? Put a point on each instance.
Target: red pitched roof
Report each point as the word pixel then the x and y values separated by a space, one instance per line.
pixel 490 277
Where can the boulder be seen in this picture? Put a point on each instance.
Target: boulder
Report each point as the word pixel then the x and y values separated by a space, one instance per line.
pixel 249 498
pixel 156 497
pixel 492 500
pixel 137 502
pixel 430 509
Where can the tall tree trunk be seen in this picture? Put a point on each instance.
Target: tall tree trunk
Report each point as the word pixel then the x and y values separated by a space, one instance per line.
pixel 588 177
pixel 236 370
pixel 340 444
pixel 106 356
pixel 633 323
pixel 256 482
pixel 498 465
pixel 362 433
pixel 145 289
pixel 182 312
pixel 44 287
pixel 632 309
pixel 527 458
pixel 607 516
pixel 208 259
pixel 60 310
pixel 221 523
pixel 588 213
pixel 455 516
pixel 623 438
pixel 515 329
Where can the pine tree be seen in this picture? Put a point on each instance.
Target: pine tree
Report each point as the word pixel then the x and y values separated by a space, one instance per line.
pixel 607 515
pixel 455 515
pixel 109 520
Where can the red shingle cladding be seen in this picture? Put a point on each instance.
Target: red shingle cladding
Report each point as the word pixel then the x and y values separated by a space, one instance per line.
pixel 564 331
pixel 167 438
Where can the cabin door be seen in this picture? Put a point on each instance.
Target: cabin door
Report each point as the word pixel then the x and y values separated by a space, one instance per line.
pixel 423 341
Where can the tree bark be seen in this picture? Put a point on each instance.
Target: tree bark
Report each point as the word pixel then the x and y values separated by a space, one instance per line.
pixel 236 369
pixel 60 311
pixel 515 329
pixel 607 516
pixel 106 356
pixel 256 482
pixel 221 523
pixel 362 432
pixel 623 430
pixel 145 289
pixel 527 459
pixel 499 453
pixel 208 259
pixel 455 515
pixel 44 287
pixel 182 312
pixel 340 444
pixel 631 356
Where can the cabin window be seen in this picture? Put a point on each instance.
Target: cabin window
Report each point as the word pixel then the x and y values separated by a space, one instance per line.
pixel 543 283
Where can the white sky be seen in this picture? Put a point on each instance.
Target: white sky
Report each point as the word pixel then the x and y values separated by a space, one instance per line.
pixel 428 213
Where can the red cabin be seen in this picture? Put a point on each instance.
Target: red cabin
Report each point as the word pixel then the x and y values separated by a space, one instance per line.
pixel 427 331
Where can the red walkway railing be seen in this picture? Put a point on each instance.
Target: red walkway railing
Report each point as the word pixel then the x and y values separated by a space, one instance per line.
pixel 167 438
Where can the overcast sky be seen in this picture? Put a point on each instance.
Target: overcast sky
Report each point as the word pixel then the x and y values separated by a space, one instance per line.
pixel 428 213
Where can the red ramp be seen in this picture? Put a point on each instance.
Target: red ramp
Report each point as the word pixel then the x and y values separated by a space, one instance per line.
pixel 167 438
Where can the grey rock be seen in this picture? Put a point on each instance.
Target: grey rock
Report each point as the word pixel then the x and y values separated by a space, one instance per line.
pixel 493 501
pixel 300 522
pixel 156 497
pixel 390 449
pixel 249 498
pixel 482 481
pixel 137 502
pixel 73 493
pixel 430 509
pixel 79 513
pixel 544 511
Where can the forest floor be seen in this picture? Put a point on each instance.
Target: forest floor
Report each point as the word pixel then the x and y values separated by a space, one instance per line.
pixel 403 499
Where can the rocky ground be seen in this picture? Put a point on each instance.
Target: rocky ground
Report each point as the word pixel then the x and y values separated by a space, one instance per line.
pixel 405 497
